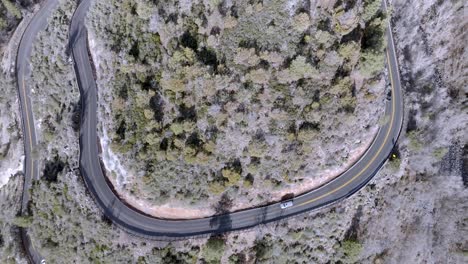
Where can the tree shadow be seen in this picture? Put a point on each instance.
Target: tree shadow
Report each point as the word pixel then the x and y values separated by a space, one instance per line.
pixel 222 220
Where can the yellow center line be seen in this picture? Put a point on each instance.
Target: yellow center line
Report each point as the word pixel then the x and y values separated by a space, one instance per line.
pixel 27 122
pixel 88 119
pixel 378 152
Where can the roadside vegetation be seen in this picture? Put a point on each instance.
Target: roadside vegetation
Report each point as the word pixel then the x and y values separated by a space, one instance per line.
pixel 234 97
pixel 10 15
pixel 10 198
pixel 423 189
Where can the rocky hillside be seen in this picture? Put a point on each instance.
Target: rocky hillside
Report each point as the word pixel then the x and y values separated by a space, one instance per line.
pixel 420 218
pixel 413 211
pixel 11 13
pixel 248 100
pixel 11 145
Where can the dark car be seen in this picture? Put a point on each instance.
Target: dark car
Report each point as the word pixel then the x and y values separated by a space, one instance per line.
pixel 389 95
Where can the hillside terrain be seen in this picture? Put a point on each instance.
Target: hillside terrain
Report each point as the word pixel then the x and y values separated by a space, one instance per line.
pixel 11 13
pixel 413 211
pixel 238 100
pixel 14 16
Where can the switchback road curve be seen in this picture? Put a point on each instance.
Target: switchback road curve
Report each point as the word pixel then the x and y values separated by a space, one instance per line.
pixel 138 223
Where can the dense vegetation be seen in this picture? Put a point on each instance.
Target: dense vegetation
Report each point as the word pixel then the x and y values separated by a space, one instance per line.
pixel 223 96
pixel 388 219
pixel 11 15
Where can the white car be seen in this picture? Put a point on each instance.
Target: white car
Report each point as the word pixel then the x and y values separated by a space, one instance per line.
pixel 286 204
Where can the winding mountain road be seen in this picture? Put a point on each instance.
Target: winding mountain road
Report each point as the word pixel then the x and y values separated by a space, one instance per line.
pixel 23 71
pixel 136 222
pixel 140 224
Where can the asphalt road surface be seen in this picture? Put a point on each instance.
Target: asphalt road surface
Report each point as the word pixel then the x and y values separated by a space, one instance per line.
pixel 23 71
pixel 138 223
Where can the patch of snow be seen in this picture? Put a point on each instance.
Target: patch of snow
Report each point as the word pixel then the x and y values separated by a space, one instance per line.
pixel 109 158
pixel 4 136
pixel 291 6
pixel 12 162
pixel 10 168
pixel 185 6
pixel 112 162
pixel 214 110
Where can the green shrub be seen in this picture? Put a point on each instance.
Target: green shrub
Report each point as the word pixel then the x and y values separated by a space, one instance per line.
pixel 439 153
pixel 351 250
pixel 263 248
pixel 214 250
pixel 12 9
pixel 371 7
pixel 3 23
pixel 232 176
pixel 23 221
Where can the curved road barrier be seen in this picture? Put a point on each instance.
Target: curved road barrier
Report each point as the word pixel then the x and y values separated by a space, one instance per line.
pixel 143 225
